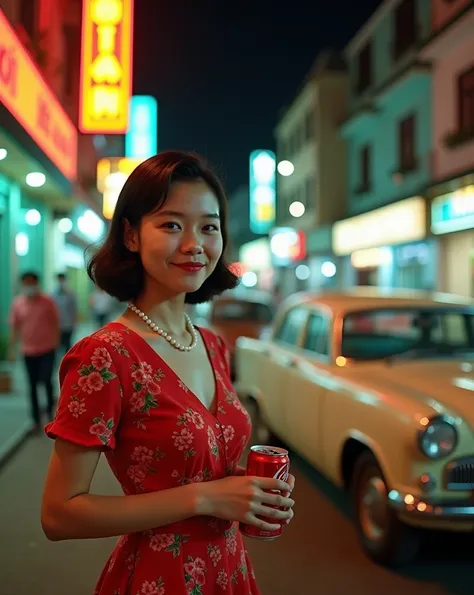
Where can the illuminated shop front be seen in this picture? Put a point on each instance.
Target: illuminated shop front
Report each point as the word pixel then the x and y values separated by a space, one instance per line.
pixel 38 167
pixel 289 260
pixel 387 247
pixel 452 220
pixel 322 264
pixel 255 264
pixel 72 236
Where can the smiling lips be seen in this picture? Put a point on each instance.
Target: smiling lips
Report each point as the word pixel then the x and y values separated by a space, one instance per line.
pixel 190 267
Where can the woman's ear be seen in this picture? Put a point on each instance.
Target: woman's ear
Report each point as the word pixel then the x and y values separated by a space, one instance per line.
pixel 130 237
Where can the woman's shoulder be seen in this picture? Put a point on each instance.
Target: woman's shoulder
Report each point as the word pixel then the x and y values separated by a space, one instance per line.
pixel 114 338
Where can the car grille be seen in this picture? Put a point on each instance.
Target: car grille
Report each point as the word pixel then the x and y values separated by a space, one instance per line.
pixel 460 474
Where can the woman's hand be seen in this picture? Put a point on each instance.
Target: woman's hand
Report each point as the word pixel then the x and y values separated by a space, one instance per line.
pixel 291 483
pixel 243 498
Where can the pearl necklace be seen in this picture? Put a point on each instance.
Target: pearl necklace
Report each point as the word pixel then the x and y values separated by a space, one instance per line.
pixel 154 327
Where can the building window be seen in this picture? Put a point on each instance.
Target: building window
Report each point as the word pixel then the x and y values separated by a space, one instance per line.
pixel 365 170
pixel 364 69
pixel 406 144
pixel 466 101
pixel 405 27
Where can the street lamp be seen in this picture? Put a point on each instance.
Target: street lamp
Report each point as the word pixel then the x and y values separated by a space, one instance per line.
pixel 285 168
pixel 297 209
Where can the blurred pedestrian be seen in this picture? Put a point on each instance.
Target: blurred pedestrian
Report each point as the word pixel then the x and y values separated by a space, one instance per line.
pixel 101 304
pixel 34 323
pixel 66 302
pixel 154 393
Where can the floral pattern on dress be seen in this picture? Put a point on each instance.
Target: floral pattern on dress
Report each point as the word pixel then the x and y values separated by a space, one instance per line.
pixel 167 542
pixel 156 587
pixel 146 388
pixel 195 575
pixel 118 394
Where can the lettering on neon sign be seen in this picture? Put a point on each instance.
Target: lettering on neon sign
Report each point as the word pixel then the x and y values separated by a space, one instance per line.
pixel 26 95
pixel 106 66
pixel 8 69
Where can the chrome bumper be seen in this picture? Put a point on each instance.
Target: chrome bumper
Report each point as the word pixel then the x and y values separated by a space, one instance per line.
pixel 423 508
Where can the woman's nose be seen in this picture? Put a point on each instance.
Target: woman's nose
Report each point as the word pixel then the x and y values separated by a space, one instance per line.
pixel 192 247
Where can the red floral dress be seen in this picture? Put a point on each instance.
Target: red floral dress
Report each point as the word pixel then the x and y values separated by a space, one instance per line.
pixel 119 394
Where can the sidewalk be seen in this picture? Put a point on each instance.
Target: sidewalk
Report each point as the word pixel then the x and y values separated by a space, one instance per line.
pixel 15 423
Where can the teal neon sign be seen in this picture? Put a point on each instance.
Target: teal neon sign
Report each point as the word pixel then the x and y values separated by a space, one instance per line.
pixel 262 185
pixel 141 140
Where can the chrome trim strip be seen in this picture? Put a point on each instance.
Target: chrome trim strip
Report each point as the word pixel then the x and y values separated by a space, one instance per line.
pixel 412 505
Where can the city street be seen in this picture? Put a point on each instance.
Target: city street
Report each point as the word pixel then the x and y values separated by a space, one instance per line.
pixel 317 555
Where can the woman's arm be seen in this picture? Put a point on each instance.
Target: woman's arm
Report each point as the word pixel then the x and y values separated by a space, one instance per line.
pixel 69 511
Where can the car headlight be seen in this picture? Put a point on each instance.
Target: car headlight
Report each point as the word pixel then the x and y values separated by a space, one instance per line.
pixel 438 438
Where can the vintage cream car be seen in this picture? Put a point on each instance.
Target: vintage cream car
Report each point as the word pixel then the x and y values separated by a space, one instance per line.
pixel 376 391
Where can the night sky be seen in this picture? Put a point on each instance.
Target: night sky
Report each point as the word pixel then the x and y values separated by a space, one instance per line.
pixel 222 71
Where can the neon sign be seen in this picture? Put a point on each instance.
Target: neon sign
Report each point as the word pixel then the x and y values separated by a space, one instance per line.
pixel 106 66
pixel 141 139
pixel 31 102
pixel 262 191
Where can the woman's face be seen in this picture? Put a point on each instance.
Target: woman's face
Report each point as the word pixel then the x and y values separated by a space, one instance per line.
pixel 181 243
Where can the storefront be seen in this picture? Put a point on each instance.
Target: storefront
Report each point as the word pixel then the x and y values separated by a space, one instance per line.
pixel 452 220
pixel 73 235
pixel 387 247
pixel 289 261
pixel 322 264
pixel 38 165
pixel 255 264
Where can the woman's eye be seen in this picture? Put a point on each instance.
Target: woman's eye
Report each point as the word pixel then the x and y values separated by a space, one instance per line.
pixel 210 227
pixel 171 225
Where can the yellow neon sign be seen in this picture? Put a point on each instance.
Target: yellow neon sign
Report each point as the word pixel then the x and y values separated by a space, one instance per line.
pixel 112 173
pixel 106 66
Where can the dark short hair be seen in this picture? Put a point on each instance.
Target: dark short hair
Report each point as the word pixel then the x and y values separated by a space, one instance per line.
pixel 119 271
pixel 30 275
pixel 61 276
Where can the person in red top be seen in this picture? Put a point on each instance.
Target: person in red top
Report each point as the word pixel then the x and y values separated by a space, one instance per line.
pixel 34 322
pixel 153 392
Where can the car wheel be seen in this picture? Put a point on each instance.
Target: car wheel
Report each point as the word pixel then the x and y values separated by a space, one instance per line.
pixel 386 539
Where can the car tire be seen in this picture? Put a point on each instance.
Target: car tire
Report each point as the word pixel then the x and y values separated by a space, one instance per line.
pixel 385 539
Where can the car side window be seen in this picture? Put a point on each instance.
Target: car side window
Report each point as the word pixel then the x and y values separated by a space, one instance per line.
pixel 317 335
pixel 290 329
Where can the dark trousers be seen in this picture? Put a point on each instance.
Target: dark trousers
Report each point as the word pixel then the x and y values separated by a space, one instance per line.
pixel 66 340
pixel 40 371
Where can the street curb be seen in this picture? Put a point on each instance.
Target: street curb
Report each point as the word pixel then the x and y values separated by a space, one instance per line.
pixel 9 448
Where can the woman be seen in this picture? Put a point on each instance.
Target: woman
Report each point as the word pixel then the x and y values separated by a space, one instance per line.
pixel 153 392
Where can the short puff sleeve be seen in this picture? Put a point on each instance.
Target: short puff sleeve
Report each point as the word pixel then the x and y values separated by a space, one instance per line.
pixel 90 401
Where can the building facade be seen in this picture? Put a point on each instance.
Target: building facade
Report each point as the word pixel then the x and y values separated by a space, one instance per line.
pixel 313 196
pixel 250 250
pixel 42 180
pixel 450 49
pixel 388 133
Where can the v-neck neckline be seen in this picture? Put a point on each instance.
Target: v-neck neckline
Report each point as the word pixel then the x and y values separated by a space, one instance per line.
pixel 213 411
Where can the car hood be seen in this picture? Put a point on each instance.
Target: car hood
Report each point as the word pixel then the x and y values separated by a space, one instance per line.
pixel 446 386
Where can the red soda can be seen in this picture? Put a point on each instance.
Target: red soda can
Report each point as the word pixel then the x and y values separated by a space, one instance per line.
pixel 266 461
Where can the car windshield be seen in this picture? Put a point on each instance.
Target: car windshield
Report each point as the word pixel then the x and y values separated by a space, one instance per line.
pixel 409 333
pixel 242 310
